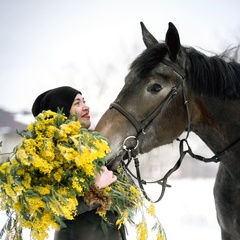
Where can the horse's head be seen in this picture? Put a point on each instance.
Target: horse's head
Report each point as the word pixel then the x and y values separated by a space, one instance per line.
pixel 150 106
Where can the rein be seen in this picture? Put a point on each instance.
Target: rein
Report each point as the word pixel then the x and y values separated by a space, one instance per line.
pixel 141 128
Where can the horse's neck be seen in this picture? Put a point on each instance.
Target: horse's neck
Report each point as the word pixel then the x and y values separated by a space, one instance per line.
pixel 217 123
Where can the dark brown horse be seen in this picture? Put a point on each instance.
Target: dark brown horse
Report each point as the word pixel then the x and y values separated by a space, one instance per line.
pixel 169 89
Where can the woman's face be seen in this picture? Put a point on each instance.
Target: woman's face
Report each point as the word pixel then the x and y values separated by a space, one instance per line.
pixel 80 108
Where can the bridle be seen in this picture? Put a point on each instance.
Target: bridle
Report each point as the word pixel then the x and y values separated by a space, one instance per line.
pixel 141 128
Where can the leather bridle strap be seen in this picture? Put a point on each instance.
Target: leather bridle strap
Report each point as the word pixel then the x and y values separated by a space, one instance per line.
pixel 141 126
pixel 162 181
pixel 174 67
pixel 128 115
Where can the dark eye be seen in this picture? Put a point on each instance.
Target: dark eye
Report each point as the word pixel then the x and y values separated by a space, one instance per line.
pixel 155 88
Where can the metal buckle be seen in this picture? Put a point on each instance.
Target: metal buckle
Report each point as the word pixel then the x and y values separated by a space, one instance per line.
pixel 124 143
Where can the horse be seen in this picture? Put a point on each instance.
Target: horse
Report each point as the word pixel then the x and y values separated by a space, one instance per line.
pixel 172 89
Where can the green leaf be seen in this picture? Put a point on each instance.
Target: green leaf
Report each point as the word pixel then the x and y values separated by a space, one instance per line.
pixel 61 222
pixel 31 194
pixel 46 198
pixel 104 227
pixel 9 223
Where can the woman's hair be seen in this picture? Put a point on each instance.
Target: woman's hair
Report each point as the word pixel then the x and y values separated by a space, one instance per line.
pixel 61 97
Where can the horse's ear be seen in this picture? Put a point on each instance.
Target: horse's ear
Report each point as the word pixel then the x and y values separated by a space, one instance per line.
pixel 173 41
pixel 148 39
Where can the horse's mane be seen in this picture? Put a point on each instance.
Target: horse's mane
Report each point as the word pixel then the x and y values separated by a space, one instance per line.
pixel 215 76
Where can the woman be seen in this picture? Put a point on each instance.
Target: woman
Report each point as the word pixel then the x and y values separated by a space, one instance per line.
pixel 87 224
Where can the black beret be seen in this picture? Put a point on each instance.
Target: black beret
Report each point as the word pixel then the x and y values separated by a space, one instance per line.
pixel 61 97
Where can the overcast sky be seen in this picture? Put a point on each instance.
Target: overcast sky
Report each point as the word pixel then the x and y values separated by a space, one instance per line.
pixel 85 44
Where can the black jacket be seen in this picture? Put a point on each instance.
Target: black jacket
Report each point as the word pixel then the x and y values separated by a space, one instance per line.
pixel 87 226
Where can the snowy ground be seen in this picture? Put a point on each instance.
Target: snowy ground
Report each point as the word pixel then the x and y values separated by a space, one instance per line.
pixel 186 212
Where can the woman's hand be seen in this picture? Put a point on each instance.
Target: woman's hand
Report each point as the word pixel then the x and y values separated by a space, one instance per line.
pixel 104 178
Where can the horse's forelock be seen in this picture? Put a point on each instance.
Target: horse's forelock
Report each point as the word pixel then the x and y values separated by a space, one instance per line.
pixel 148 60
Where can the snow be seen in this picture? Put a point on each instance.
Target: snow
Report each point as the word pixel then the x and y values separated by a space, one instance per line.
pixel 186 211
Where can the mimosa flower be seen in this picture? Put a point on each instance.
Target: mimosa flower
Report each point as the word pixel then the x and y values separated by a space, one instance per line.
pixel 56 163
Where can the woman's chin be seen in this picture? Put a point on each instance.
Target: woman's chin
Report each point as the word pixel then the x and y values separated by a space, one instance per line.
pixel 86 124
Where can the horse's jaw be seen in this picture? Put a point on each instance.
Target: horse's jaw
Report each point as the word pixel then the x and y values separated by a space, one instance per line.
pixel 114 158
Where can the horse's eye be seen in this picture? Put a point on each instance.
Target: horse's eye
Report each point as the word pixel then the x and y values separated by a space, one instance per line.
pixel 155 88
